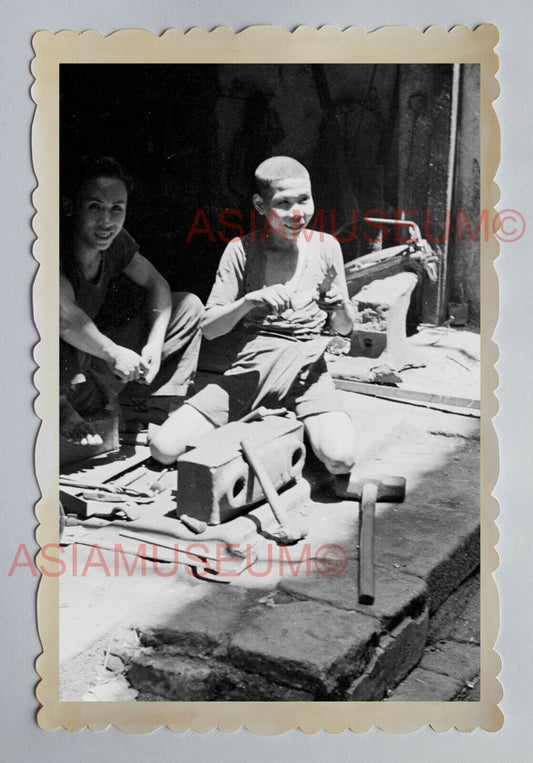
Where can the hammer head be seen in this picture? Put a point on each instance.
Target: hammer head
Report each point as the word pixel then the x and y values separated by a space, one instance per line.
pixel 390 489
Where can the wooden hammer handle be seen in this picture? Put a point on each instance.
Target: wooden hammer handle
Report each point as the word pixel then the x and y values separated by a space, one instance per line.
pixel 271 494
pixel 369 496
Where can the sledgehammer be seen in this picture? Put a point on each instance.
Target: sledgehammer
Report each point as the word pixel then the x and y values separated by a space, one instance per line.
pixel 368 491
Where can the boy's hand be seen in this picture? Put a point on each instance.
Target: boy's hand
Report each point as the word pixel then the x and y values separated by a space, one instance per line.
pixel 276 297
pixel 126 364
pixel 151 360
pixel 333 298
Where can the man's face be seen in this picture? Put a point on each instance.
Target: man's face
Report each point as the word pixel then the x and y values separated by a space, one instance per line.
pixel 291 203
pixel 100 212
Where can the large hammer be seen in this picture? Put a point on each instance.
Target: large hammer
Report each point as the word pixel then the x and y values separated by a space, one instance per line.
pixel 368 491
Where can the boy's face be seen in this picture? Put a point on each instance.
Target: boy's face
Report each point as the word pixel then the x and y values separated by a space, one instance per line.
pixel 100 212
pixel 290 202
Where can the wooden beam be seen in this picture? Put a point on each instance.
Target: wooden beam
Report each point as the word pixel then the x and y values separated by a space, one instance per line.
pixel 463 405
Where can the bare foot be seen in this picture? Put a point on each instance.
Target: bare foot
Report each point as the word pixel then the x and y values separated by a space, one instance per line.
pixel 74 427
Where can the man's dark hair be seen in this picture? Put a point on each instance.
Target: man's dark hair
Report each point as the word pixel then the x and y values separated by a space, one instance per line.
pixel 75 174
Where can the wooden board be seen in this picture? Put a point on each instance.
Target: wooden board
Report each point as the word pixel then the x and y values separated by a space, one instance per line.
pixel 414 397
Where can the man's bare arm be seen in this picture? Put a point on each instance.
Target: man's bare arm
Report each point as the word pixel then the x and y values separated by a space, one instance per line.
pixel 220 319
pixel 77 329
pixel 343 314
pixel 158 300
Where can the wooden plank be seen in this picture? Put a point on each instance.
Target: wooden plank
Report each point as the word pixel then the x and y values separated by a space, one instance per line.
pixel 415 397
pixel 108 466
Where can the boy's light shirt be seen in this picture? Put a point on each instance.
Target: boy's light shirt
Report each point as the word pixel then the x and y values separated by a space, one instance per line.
pixel 242 269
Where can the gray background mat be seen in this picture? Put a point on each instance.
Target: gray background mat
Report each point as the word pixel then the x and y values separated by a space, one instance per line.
pixel 21 738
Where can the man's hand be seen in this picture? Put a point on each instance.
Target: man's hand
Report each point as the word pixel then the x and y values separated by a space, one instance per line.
pixel 126 364
pixel 277 297
pixel 151 359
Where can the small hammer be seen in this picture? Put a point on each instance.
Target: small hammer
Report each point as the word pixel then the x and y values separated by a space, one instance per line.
pixel 368 491
pixel 290 531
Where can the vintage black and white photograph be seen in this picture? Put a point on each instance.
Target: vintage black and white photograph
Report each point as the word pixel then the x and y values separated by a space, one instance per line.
pixel 269 377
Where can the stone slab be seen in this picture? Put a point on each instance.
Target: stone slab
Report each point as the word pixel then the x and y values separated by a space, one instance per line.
pixel 425 686
pixel 307 645
pixel 441 551
pixel 170 677
pixel 459 661
pixel 202 627
pixel 397 595
pixel 239 686
pixel 435 533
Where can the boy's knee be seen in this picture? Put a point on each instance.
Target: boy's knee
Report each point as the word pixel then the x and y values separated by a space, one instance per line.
pixel 162 448
pixel 333 441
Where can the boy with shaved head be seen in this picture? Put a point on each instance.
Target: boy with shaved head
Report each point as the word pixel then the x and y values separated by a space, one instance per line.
pixel 264 307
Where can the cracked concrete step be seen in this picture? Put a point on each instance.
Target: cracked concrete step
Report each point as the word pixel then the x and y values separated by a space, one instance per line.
pixel 306 645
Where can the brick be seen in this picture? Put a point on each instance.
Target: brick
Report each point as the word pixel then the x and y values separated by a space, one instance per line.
pixel 425 686
pixel 396 654
pixel 201 628
pixel 170 677
pixel 455 660
pixel 397 595
pixel 307 645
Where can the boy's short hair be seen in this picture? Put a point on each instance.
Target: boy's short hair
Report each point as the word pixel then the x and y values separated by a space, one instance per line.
pixel 78 172
pixel 277 168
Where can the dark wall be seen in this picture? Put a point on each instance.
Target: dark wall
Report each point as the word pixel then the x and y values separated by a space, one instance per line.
pixel 154 120
pixel 192 135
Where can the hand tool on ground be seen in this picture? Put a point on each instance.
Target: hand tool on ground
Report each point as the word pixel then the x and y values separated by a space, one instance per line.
pixel 368 491
pixel 261 412
pixel 97 510
pixel 110 497
pixel 289 533
pixel 156 486
pixel 108 487
pixel 137 474
pixel 192 524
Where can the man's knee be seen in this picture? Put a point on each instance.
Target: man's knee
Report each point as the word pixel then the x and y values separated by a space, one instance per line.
pixel 188 306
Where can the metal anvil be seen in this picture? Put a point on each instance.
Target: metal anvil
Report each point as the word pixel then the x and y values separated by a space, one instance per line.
pixel 215 483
